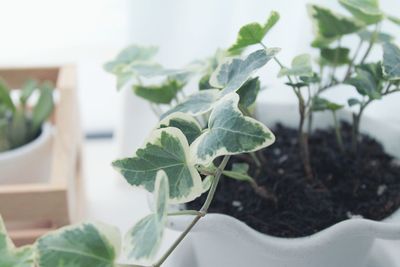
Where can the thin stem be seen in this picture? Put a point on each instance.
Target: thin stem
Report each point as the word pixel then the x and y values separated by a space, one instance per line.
pixel 335 61
pixel 256 159
pixel 155 110
pixel 338 132
pixel 371 43
pixel 358 49
pixel 184 212
pixel 202 212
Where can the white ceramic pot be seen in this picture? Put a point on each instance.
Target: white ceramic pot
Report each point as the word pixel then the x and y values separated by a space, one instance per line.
pixel 30 163
pixel 223 241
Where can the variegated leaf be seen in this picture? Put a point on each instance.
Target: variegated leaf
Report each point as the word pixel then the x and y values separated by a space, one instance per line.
pixel 365 10
pixel 230 132
pixel 301 66
pixel 391 62
pixel 10 256
pixel 82 245
pixel 232 73
pixel 143 240
pixel 167 149
pixel 196 104
pixel 186 123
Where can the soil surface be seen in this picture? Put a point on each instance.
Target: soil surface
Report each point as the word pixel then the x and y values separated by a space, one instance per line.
pixel 345 185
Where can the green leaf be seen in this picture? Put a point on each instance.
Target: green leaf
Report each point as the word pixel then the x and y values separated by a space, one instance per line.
pixel 143 240
pixel 18 129
pixel 365 10
pixel 82 245
pixel 229 133
pixel 160 94
pixel 391 62
pixel 196 104
pixel 322 104
pixel 311 79
pixel 129 55
pixel 380 37
pixel 353 102
pixel 231 74
pixel 301 66
pixel 365 84
pixel 167 149
pixel 5 98
pixel 184 122
pixel 248 93
pixel 393 19
pixel 329 25
pixel 44 107
pixel 375 69
pixel 204 82
pixel 335 56
pixel 10 256
pixel 4 130
pixel 239 172
pixel 27 89
pixel 254 33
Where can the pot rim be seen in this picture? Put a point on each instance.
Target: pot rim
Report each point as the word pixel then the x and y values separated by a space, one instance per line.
pixel 45 134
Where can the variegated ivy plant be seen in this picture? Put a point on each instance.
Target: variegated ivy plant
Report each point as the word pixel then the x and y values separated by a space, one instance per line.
pixel 196 131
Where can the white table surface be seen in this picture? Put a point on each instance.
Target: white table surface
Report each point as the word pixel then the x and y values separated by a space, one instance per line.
pixel 108 198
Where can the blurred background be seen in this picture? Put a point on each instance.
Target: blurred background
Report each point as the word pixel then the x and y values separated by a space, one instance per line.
pixel 91 32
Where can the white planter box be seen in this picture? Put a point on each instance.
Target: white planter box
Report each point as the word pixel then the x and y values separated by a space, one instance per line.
pixel 30 163
pixel 223 241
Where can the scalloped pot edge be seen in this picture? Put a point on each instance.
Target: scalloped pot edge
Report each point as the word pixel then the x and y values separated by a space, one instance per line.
pixel 220 241
pixel 30 163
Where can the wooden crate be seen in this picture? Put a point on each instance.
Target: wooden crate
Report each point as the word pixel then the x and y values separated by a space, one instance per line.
pixel 30 210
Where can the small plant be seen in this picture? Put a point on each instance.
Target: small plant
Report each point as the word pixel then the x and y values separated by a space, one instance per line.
pixel 19 124
pixel 187 153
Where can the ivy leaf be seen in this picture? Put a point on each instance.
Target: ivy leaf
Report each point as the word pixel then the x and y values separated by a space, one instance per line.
pixel 322 104
pixel 196 104
pixel 301 66
pixel 184 122
pixel 329 25
pixel 44 107
pixel 254 33
pixel 391 62
pixel 5 98
pixel 129 55
pixel 167 149
pixel 248 92
pixel 375 69
pixel 232 73
pixel 82 245
pixel 143 240
pixel 353 102
pixel 204 82
pixel 229 133
pixel 335 56
pixel 160 94
pixel 380 37
pixel 311 79
pixel 365 10
pixel 10 256
pixel 239 172
pixel 365 84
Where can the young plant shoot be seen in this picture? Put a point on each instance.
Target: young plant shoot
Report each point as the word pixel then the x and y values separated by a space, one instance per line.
pixel 188 153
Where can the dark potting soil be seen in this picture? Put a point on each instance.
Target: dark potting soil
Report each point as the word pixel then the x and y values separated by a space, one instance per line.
pixel 345 185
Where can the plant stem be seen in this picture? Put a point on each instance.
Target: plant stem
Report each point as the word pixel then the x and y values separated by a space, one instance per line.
pixel 184 212
pixel 338 132
pixel 371 43
pixel 201 213
pixel 256 159
pixel 348 72
pixel 303 137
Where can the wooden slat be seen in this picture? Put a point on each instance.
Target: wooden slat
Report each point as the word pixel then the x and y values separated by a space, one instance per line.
pixel 15 77
pixel 55 201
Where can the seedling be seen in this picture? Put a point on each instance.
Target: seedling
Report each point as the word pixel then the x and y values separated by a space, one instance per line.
pixel 19 124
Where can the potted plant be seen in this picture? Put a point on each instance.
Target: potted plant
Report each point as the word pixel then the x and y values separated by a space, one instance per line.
pixel 300 200
pixel 25 137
